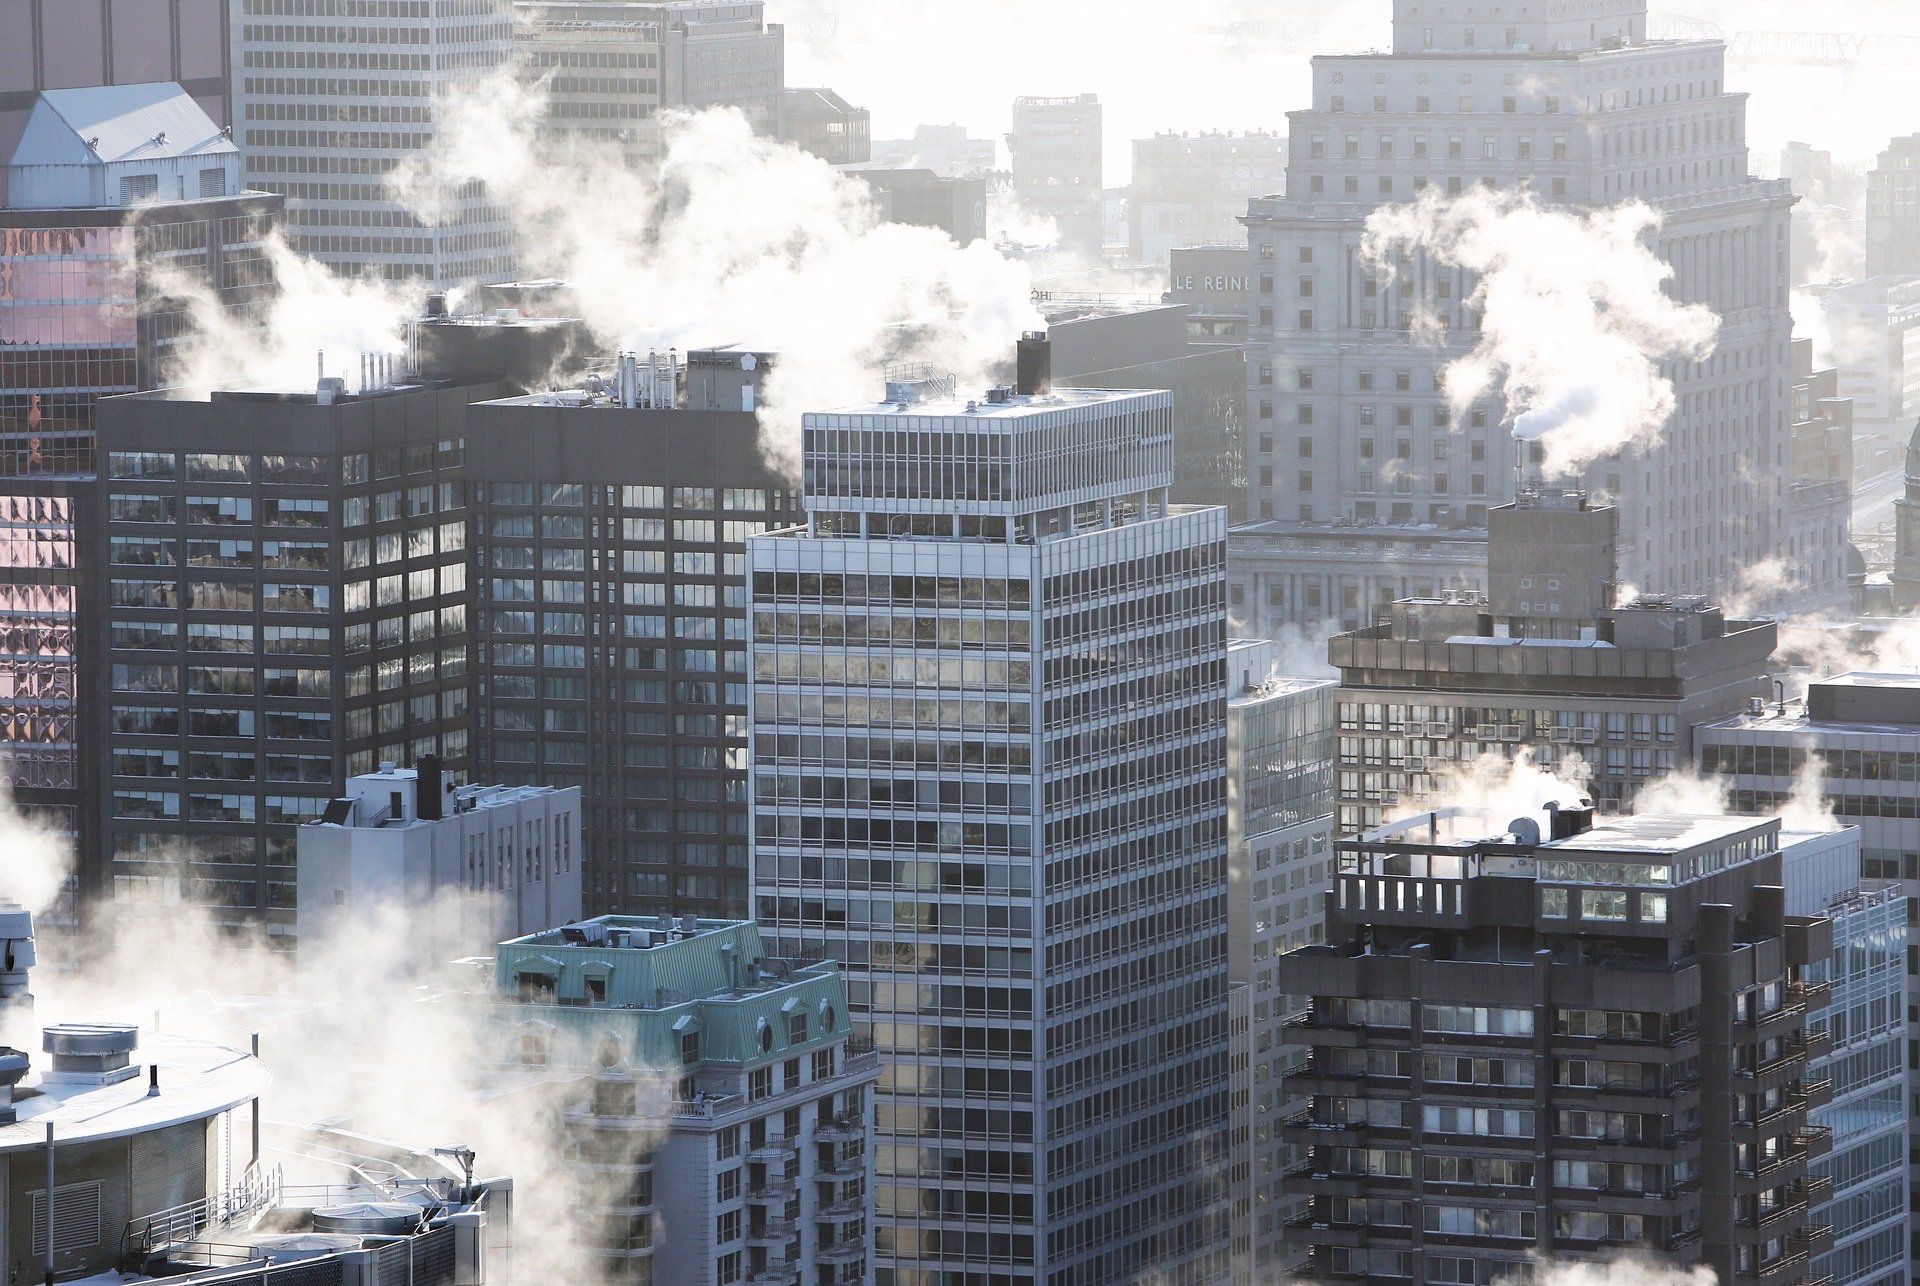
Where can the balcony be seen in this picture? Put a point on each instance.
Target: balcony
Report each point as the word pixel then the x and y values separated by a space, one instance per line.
pixel 1814 994
pixel 1786 1268
pixel 842 1129
pixel 1781 1022
pixel 844 1165
pixel 842 1211
pixel 1813 1141
pixel 1813 1190
pixel 771 1191
pixel 770 1232
pixel 771 1150
pixel 1817 1093
pixel 1813 1240
pixel 773 1274
pixel 844 1251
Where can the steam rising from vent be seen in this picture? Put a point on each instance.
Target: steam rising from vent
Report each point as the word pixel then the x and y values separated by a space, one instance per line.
pixel 735 237
pixel 38 861
pixel 318 320
pixel 1628 1271
pixel 1505 788
pixel 1574 316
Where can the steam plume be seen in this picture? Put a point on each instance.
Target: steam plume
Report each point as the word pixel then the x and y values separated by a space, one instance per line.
pixel 737 238
pixel 1574 318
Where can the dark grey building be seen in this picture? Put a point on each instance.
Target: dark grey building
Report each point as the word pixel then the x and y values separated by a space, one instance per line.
pixel 1555 1037
pixel 1102 343
pixel 284 592
pixel 611 584
pixel 958 207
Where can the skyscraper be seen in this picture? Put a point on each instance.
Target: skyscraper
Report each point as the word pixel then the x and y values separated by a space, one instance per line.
pixel 1893 210
pixel 1055 145
pixel 988 711
pixel 1583 110
pixel 612 66
pixel 1564 1037
pixel 611 524
pixel 284 595
pixel 330 114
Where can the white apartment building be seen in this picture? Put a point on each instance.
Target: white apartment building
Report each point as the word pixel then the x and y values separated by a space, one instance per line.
pixel 1280 856
pixel 1347 422
pixel 473 865
pixel 988 705
pixel 332 98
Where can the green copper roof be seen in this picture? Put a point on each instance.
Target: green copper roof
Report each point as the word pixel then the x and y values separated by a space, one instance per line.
pixel 647 983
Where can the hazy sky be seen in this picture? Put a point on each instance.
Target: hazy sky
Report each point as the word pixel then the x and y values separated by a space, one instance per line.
pixel 1242 64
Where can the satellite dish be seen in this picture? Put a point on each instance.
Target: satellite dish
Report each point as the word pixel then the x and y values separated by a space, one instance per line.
pixel 748 361
pixel 1525 829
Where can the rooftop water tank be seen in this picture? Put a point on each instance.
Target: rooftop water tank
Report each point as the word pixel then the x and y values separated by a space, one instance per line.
pixel 368 1218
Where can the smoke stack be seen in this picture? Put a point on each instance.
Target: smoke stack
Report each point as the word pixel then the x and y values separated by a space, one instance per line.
pixel 436 305
pixel 1033 364
pixel 153 1080
pixel 429 788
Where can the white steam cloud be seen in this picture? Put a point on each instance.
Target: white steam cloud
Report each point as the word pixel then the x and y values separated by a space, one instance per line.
pixel 1574 317
pixel 360 1039
pixel 38 863
pixel 737 238
pixel 1629 1270
pixel 319 320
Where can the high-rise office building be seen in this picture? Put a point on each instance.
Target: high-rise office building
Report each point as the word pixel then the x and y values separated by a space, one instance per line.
pixel 1055 145
pixel 1279 859
pixel 1820 472
pixel 610 529
pixel 78 44
pixel 1563 1037
pixel 823 123
pixel 330 114
pixel 1193 189
pixel 1542 662
pixel 1893 210
pixel 1579 107
pixel 614 65
pixel 757 1165
pixel 122 197
pixel 282 596
pixel 1858 736
pixel 989 765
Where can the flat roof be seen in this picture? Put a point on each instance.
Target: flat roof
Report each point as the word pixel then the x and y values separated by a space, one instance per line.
pixel 198 1079
pixel 1018 407
pixel 1659 833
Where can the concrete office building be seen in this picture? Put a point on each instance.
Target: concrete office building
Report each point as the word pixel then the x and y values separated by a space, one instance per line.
pixel 1057 166
pixel 1279 862
pixel 823 123
pixel 1893 210
pixel 1193 189
pixel 1542 662
pixel 989 772
pixel 1819 513
pixel 1312 577
pixel 1559 1036
pixel 329 114
pixel 1099 342
pixel 1858 736
pixel 78 44
pixel 1557 103
pixel 1874 333
pixel 612 523
pixel 283 594
pixel 758 1165
pixel 1905 580
pixel 958 207
pixel 471 865
pixel 614 65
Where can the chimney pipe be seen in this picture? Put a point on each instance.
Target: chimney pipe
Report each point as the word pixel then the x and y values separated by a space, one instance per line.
pixel 428 788
pixel 1033 364
pixel 153 1080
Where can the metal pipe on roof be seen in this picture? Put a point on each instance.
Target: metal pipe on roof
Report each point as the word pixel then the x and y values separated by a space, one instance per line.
pixel 49 1205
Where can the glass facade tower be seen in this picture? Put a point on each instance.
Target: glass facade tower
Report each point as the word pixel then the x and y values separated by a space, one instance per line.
pixel 988 703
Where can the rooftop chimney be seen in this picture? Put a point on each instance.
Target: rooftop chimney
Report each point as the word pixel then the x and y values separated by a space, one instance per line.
pixel 1033 364
pixel 429 788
